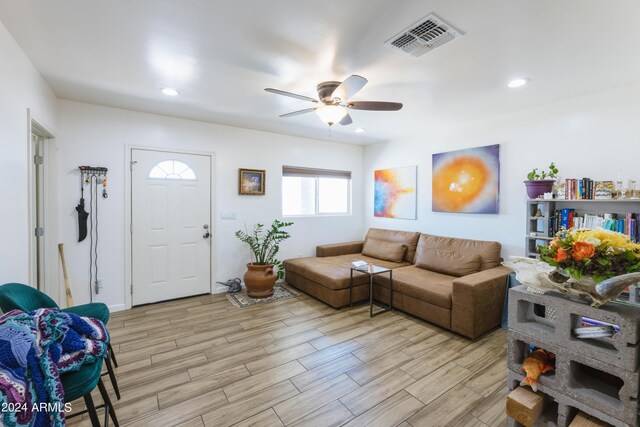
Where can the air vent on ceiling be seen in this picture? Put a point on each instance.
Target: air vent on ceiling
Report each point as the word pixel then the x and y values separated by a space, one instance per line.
pixel 423 36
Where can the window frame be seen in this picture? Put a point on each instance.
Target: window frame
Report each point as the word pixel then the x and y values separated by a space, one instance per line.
pixel 317 174
pixel 167 177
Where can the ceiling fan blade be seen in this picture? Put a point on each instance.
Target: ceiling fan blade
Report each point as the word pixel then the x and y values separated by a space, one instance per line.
pixel 295 113
pixel 346 120
pixel 349 87
pixel 289 94
pixel 374 105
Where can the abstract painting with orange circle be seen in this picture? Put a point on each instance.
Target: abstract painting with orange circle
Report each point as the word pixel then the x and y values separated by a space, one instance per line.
pixel 467 180
pixel 395 192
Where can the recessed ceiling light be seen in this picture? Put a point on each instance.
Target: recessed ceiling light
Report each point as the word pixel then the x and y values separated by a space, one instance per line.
pixel 360 130
pixel 169 91
pixel 518 82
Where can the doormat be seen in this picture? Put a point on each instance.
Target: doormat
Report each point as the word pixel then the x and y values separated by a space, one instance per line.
pixel 241 299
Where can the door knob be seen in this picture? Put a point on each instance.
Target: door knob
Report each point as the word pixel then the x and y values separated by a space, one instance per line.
pixel 206 234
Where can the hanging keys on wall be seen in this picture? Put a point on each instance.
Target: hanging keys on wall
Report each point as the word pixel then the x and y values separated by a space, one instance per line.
pixel 93 176
pixel 104 187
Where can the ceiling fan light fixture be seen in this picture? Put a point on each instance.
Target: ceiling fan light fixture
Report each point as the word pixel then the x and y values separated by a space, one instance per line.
pixel 332 106
pixel 331 114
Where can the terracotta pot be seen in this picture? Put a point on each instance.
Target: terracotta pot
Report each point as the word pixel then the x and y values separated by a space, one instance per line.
pixel 537 187
pixel 259 280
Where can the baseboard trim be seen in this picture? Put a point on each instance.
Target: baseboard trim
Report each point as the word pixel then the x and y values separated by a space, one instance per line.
pixel 117 307
pixel 220 289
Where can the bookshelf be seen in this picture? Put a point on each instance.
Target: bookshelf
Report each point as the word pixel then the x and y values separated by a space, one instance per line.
pixel 540 224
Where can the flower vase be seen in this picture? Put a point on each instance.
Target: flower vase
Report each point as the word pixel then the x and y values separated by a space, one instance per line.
pixel 259 280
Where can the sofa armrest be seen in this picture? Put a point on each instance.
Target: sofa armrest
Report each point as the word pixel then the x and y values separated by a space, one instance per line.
pixel 339 249
pixel 477 301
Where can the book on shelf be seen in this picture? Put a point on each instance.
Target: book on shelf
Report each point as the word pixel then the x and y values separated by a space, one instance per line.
pixel 604 190
pixel 564 219
pixel 586 189
pixel 580 191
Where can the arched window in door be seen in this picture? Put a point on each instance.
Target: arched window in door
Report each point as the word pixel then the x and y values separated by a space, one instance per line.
pixel 172 169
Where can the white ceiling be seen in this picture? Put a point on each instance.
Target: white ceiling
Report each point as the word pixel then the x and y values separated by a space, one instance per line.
pixel 222 54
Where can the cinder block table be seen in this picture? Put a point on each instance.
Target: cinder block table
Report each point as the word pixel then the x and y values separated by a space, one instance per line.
pixel 598 376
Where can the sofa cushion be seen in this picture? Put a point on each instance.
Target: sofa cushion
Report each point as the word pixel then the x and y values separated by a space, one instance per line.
pixel 489 252
pixel 449 262
pixel 339 249
pixel 334 272
pixel 387 251
pixel 336 298
pixel 408 238
pixel 434 288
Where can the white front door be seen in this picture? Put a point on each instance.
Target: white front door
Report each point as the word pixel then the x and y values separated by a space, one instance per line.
pixel 171 213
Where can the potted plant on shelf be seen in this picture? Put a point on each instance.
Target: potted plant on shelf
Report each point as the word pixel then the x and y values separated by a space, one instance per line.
pixel 263 247
pixel 540 181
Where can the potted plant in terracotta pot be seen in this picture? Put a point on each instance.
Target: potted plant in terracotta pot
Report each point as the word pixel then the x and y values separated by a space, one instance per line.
pixel 263 247
pixel 540 181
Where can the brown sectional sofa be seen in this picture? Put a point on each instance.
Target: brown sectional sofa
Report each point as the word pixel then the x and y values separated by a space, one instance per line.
pixel 455 283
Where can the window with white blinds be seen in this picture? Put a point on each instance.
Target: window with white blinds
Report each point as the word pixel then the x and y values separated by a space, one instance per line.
pixel 307 192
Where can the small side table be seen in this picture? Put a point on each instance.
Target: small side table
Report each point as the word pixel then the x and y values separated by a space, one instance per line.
pixel 372 270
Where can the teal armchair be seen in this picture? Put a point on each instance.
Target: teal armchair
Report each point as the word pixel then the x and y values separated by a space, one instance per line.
pixel 80 384
pixel 22 297
pixel 16 296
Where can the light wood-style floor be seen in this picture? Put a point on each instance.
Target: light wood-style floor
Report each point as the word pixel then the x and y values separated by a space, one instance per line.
pixel 202 362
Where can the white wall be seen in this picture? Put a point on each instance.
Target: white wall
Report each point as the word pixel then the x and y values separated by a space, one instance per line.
pixel 95 135
pixel 592 136
pixel 22 89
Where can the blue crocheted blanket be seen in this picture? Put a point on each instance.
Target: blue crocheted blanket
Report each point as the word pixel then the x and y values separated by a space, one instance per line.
pixel 35 349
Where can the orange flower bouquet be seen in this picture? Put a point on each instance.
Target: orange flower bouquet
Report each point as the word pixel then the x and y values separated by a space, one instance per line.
pixel 596 254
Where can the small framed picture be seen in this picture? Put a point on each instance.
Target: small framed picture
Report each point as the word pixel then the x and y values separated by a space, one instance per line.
pixel 251 182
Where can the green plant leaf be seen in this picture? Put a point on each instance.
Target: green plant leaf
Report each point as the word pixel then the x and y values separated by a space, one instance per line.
pixel 265 245
pixel 537 174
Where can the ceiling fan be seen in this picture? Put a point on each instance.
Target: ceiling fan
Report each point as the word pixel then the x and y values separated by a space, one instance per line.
pixel 334 101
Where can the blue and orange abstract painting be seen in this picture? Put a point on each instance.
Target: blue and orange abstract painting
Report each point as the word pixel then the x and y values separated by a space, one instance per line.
pixel 395 192
pixel 467 180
